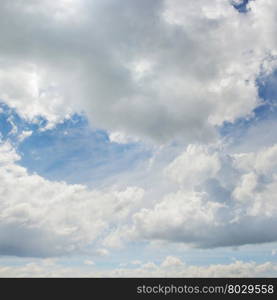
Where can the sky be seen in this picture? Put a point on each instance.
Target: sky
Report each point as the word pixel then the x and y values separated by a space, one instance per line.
pixel 138 138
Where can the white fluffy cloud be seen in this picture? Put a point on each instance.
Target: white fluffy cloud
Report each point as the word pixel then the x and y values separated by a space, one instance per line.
pixel 170 267
pixel 156 70
pixel 226 200
pixel 44 218
pixel 199 166
pixel 174 267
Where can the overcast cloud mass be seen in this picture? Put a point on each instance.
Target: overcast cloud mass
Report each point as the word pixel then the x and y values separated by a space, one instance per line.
pixel 134 128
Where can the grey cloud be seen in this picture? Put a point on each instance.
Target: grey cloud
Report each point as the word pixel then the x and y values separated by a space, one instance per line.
pixel 229 204
pixel 89 52
pixel 41 218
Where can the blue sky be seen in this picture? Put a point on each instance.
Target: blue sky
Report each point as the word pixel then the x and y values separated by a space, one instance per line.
pixel 138 150
pixel 72 151
pixel 241 6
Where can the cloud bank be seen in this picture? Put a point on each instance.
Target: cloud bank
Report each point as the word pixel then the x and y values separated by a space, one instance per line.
pixel 170 267
pixel 218 200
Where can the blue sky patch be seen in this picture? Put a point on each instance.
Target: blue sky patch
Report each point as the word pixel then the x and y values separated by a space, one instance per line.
pixel 72 151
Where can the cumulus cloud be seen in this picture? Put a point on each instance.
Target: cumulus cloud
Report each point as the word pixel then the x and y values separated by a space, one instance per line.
pixel 174 267
pixel 158 70
pixel 170 267
pixel 212 198
pixel 43 218
pixel 88 262
pixel 142 70
pixel 199 166
pixel 229 201
pixel 121 138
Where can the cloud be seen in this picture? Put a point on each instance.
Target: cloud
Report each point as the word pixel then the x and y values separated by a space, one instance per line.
pixel 121 138
pixel 174 267
pixel 237 2
pixel 236 269
pixel 24 134
pixel 158 71
pixel 43 218
pixel 49 268
pixel 226 200
pixel 143 71
pixel 171 261
pixel 89 262
pixel 205 197
pixel 199 166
